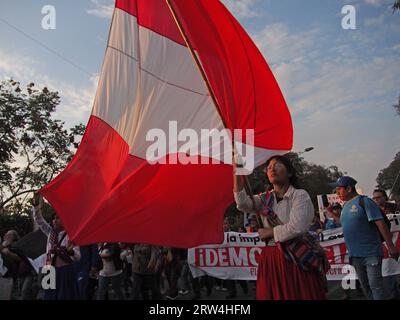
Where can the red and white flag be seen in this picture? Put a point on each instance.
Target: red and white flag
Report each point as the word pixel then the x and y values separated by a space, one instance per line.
pixel 184 62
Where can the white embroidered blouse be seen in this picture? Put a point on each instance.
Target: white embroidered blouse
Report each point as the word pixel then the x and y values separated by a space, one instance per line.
pixel 295 210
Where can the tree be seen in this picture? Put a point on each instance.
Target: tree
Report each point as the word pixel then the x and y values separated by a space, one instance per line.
pixel 387 177
pixel 396 6
pixel 314 178
pixel 34 147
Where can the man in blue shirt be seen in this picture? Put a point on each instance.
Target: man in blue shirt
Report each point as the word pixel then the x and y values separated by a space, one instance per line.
pixel 362 226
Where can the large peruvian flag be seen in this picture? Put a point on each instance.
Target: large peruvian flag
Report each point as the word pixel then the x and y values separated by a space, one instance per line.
pixel 150 78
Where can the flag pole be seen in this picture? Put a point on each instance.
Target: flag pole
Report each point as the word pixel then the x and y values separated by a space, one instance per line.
pixel 212 95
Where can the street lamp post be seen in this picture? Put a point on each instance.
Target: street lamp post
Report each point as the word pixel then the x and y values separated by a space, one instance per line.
pixel 306 150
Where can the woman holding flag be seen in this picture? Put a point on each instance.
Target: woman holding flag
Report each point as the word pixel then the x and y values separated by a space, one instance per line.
pixel 284 271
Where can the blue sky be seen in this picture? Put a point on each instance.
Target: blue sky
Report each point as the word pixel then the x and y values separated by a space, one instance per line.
pixel 339 84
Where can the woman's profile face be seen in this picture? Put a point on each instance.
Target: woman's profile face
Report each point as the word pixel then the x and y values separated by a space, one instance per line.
pixel 277 172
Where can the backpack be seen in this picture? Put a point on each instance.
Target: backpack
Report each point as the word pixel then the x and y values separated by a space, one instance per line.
pixel 361 203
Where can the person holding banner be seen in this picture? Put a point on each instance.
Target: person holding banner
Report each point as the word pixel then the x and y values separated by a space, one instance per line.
pixel 286 213
pixel 381 199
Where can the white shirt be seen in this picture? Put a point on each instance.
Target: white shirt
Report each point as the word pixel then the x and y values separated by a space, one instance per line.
pixel 295 210
pixel 108 266
pixel 126 255
pixel 46 229
pixel 3 269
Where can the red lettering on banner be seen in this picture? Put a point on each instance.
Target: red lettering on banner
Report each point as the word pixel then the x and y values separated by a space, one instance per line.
pixel 337 254
pixel 211 257
pixel 227 257
pixel 238 257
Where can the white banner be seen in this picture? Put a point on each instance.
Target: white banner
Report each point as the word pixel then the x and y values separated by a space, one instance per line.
pixel 236 258
pixel 332 199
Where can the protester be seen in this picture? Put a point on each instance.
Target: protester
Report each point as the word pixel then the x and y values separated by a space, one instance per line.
pixel 380 197
pixel 87 269
pixel 220 284
pixel 232 291
pixel 185 274
pixel 333 217
pixel 159 271
pixel 253 224
pixel 111 273
pixel 11 262
pixel 242 230
pixel 287 215
pixel 5 284
pixel 363 223
pixel 61 253
pixel 172 270
pixel 3 269
pixel 127 260
pixel 145 259
pixel 200 282
pixel 316 225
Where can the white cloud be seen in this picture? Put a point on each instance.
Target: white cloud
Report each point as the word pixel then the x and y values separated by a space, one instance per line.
pixel 279 44
pixel 239 8
pixel 76 102
pixel 16 67
pixel 242 8
pixel 375 22
pixel 396 47
pixel 376 3
pixel 333 93
pixel 102 8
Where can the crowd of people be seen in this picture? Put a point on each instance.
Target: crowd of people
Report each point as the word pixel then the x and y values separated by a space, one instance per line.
pixel 105 271
pixel 292 265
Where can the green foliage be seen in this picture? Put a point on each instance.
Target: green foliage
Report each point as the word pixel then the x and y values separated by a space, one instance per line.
pixel 34 147
pixel 314 178
pixel 396 6
pixel 21 223
pixel 387 176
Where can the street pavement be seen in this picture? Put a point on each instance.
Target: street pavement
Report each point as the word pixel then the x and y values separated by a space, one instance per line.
pixel 335 292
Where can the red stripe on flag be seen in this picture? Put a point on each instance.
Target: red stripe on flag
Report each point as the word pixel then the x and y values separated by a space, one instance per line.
pixel 168 205
pixel 99 159
pixel 154 15
pixel 247 93
pixel 107 195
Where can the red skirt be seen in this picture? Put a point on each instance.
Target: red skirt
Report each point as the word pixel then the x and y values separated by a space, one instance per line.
pixel 280 279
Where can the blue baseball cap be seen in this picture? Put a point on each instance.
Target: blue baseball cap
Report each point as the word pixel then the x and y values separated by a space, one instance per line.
pixel 344 182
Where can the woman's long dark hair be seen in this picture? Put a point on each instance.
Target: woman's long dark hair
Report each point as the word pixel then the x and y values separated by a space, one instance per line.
pixel 289 167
